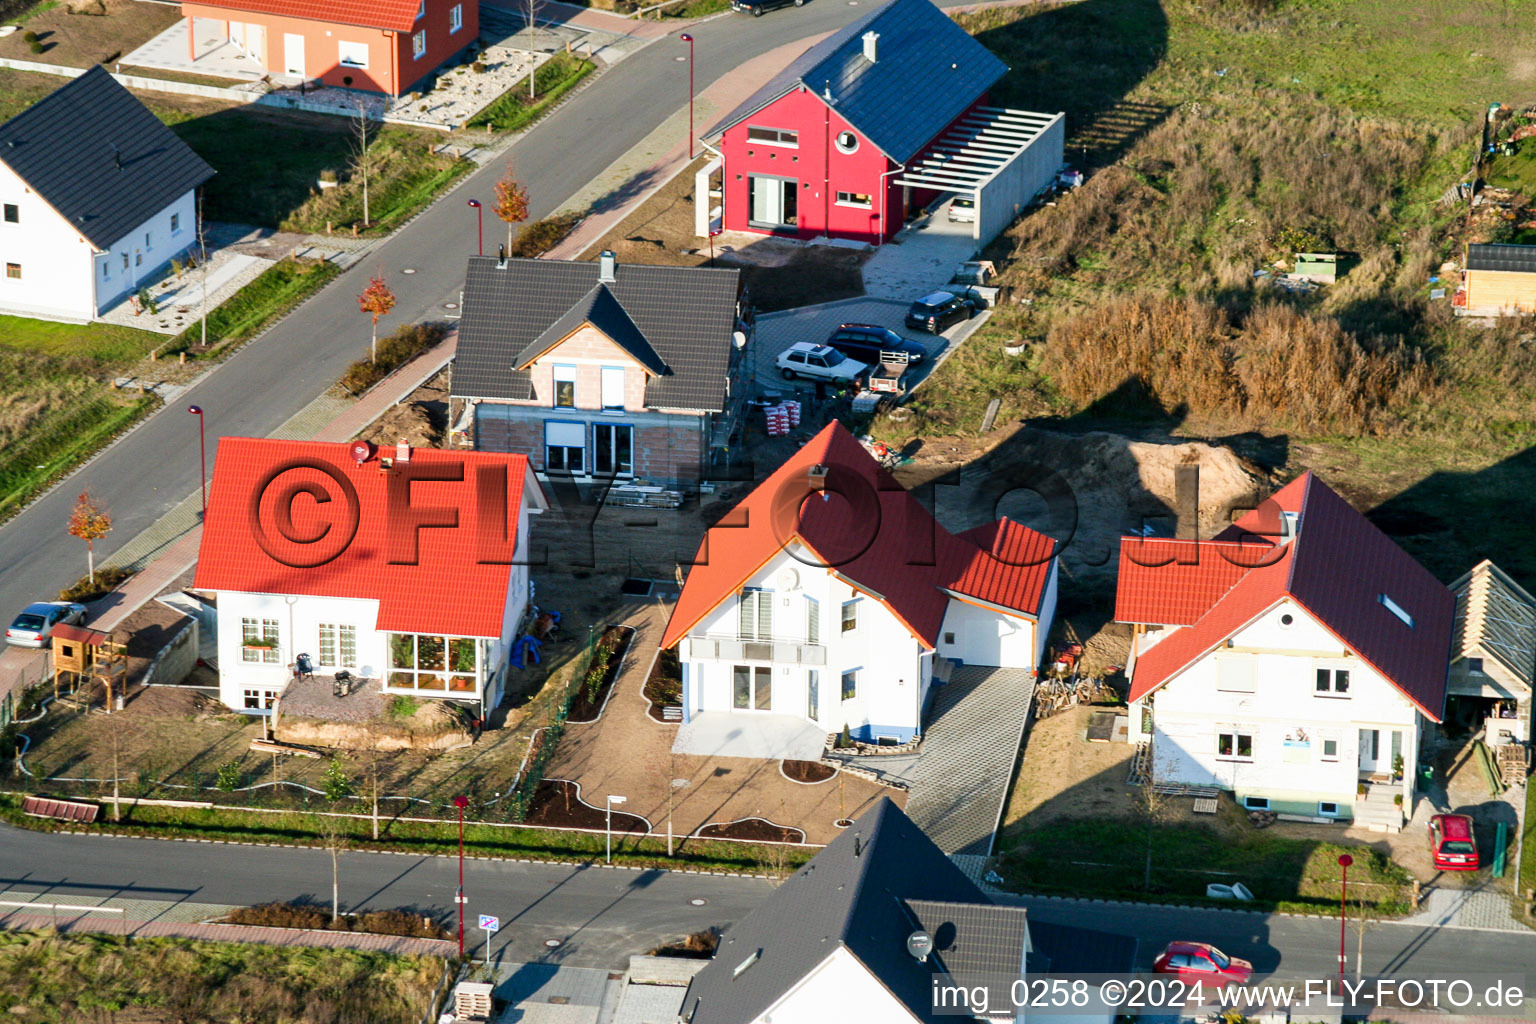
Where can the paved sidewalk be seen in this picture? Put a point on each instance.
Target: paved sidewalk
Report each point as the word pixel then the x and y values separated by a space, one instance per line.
pixel 395 944
pixel 1486 909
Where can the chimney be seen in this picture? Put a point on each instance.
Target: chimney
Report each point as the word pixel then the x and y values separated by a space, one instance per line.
pixel 501 256
pixel 606 266
pixel 817 476
pixel 871 46
pixel 117 157
pixel 858 845
pixel 403 451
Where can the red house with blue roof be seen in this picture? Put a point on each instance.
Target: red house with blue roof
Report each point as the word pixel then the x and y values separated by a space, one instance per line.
pixel 872 124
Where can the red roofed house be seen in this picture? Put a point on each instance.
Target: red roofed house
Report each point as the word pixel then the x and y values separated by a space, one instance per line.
pixel 1294 657
pixel 831 595
pixel 379 45
pixel 403 565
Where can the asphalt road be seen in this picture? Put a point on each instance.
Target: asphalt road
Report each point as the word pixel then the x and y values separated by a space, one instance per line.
pixel 156 466
pixel 602 915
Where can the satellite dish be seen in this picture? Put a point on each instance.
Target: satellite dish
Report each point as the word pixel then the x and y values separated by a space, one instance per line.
pixel 362 451
pixel 920 944
pixel 740 338
pixel 788 579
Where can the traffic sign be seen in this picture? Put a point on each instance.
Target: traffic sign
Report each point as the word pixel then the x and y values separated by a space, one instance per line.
pixel 490 923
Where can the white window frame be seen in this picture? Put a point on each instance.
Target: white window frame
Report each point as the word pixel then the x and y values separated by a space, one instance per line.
pixel 406 678
pixel 852 200
pixel 419 43
pixel 175 223
pixel 847 622
pixel 264 699
pixel 455 18
pixel 254 628
pixel 1255 803
pixel 1322 747
pixel 611 379
pixel 348 60
pixel 1236 736
pixel 784 138
pixel 812 620
pixel 1331 690
pixel 849 148
pixel 843 689
pixel 754 614
pixel 337 645
pixel 562 373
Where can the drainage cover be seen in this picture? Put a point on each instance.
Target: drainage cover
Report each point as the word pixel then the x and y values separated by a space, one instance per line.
pixel 552 943
pixel 698 901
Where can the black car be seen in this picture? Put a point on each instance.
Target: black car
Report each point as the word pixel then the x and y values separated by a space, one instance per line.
pixel 936 312
pixel 867 342
pixel 757 7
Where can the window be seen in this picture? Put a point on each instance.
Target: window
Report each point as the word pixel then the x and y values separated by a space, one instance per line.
pixel 812 621
pixel 138 258
pixel 148 244
pixel 1327 809
pixel 850 615
pixel 859 199
pixel 1287 620
pixel 420 662
pixel 949 638
pixel 1237 673
pixel 12 213
pixel 813 694
pixel 613 387
pixel 352 55
pixel 106 269
pixel 1396 609
pixel 13 271
pixel 751 687
pixel 125 261
pixel 175 223
pixel 455 18
pixel 850 684
pixel 1234 746
pixel 1333 682
pixel 774 136
pixel 1256 803
pixel 565 444
pixel 613 449
pixel 259 640
pixel 260 700
pixel 1330 748
pixel 419 44
pixel 1475 666
pixel 565 387
pixel 847 142
pixel 338 645
pixel 754 617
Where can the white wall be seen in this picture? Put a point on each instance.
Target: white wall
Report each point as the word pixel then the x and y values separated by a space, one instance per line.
pixel 987 637
pixel 164 244
pixel 891 682
pixel 55 259
pixel 298 633
pixel 1192 709
pixel 840 988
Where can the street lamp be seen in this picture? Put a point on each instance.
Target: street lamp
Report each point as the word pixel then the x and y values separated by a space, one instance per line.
pixel 612 801
pixel 461 802
pixel 1345 860
pixel 202 447
pixel 474 204
pixel 685 37
pixel 677 784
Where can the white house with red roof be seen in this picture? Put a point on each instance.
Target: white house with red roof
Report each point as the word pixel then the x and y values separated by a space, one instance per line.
pixel 830 597
pixel 1292 660
pixel 406 566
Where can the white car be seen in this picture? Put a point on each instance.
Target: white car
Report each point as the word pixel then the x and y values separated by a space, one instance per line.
pixel 818 362
pixel 34 626
pixel 962 210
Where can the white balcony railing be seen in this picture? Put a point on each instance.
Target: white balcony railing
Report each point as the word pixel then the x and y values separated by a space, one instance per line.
pixel 704 647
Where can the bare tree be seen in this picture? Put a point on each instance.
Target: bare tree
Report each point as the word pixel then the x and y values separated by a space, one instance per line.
pixel 530 10
pixel 360 146
pixel 1155 808
pixel 371 735
pixel 336 838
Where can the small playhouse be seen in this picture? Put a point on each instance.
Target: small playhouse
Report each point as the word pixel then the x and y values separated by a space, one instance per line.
pixel 84 656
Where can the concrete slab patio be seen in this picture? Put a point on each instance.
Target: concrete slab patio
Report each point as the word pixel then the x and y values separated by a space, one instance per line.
pixel 920 259
pixel 755 735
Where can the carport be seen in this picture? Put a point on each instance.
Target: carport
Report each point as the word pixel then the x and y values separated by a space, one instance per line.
pixel 1001 157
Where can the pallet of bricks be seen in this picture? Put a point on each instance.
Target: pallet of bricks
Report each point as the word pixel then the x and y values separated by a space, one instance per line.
pixel 782 418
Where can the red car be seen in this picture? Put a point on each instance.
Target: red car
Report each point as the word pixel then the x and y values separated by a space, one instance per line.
pixel 1451 844
pixel 1201 961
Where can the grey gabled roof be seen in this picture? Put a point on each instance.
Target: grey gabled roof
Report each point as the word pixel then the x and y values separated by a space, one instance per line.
pixel 858 893
pixel 1502 257
pixel 97 155
pixel 975 942
pixel 927 72
pixel 600 309
pixel 684 315
pixel 1495 618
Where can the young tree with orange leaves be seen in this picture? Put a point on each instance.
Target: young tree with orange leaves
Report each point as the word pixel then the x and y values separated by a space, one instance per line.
pixel 511 202
pixel 376 300
pixel 90 521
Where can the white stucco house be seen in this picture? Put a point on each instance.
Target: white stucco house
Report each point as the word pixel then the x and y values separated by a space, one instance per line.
pixel 344 553
pixel 1293 660
pixel 836 942
pixel 96 194
pixel 831 596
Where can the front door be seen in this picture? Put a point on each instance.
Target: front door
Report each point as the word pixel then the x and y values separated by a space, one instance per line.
pixel 293 54
pixel 774 202
pixel 613 449
pixel 1370 749
pixel 751 687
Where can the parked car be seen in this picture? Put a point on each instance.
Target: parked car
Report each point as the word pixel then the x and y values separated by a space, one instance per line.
pixel 962 209
pixel 757 7
pixel 868 343
pixel 1201 961
pixel 34 626
pixel 938 311
pixel 818 362
pixel 1452 846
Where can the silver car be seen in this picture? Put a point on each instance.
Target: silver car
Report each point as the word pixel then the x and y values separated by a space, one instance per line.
pixel 962 210
pixel 34 626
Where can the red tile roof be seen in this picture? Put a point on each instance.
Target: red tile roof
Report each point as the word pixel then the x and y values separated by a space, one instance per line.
pixel 398 15
pixel 1174 582
pixel 903 557
pixel 1337 569
pixel 450 584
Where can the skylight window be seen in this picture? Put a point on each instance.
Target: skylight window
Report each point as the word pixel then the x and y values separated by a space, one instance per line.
pixel 1396 609
pixel 751 959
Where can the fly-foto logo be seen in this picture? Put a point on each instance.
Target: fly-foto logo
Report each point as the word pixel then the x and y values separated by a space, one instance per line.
pixel 306 513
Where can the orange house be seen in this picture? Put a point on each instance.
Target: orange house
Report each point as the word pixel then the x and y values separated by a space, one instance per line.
pixel 379 45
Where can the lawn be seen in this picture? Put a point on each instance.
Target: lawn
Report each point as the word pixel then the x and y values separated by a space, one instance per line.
pixel 514 110
pixel 1528 847
pixel 48 977
pixel 249 311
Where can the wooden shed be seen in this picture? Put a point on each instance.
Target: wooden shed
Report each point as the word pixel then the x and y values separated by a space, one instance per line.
pixel 1498 279
pixel 1493 651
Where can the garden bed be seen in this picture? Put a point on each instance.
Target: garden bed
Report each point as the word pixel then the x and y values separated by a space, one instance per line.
pixel 752 830
pixel 807 773
pixel 558 804
pixel 664 688
pixel 607 660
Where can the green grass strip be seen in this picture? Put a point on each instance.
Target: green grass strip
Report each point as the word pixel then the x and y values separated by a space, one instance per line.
pixel 29 468
pixel 552 80
pixel 264 300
